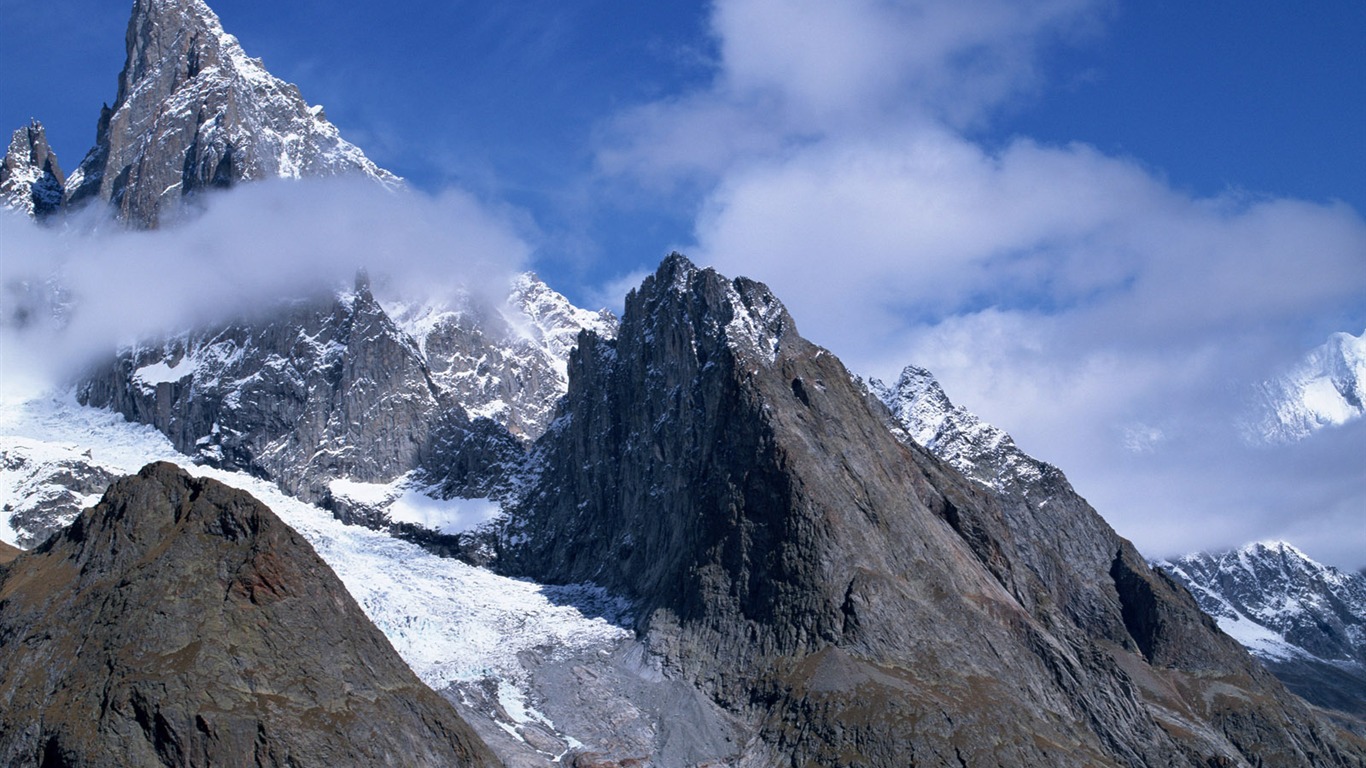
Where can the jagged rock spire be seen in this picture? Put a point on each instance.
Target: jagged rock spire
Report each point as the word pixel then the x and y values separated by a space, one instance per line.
pixel 193 112
pixel 31 180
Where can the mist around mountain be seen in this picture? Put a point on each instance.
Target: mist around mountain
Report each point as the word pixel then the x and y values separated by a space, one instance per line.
pixel 1326 389
pixel 689 536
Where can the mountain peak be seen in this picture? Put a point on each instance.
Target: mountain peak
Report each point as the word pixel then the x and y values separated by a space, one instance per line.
pixel 195 113
pixel 31 181
pixel 1326 388
pixel 1305 620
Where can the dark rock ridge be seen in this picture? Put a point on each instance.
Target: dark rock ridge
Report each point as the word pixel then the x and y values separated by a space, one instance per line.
pixel 31 179
pixel 848 595
pixel 1304 620
pixel 181 623
pixel 193 113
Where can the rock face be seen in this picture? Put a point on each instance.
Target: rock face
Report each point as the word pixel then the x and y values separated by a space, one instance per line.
pixel 339 387
pixel 193 113
pixel 329 388
pixel 44 489
pixel 848 595
pixel 179 622
pixel 1304 620
pixel 1327 388
pixel 31 180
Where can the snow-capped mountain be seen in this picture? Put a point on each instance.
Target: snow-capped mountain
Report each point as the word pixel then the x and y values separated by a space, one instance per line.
pixel 343 400
pixel 193 113
pixel 724 551
pixel 981 451
pixel 31 180
pixel 1327 388
pixel 1307 621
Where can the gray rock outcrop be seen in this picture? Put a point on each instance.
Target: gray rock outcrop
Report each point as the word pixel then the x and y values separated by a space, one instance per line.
pixel 181 623
pixel 194 113
pixel 851 597
pixel 31 179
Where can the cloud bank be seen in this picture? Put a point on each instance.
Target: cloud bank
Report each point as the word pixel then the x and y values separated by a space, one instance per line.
pixel 253 246
pixel 1112 322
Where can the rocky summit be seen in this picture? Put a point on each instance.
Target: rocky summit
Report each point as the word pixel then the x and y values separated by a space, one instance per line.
pixel 31 179
pixel 726 550
pixel 850 596
pixel 179 622
pixel 194 113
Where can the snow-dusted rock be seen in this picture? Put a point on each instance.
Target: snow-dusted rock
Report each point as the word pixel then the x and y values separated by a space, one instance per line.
pixel 346 387
pixel 31 180
pixel 1327 388
pixel 1306 620
pixel 194 112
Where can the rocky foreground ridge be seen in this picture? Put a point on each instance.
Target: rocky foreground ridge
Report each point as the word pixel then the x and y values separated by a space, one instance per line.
pixel 180 622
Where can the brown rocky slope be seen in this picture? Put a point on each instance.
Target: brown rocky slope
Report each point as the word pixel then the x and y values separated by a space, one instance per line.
pixel 180 622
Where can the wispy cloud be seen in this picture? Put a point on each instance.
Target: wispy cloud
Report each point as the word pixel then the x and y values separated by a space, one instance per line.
pixel 250 247
pixel 1110 321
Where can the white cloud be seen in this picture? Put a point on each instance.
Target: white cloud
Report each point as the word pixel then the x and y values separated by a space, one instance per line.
pixel 1109 320
pixel 250 247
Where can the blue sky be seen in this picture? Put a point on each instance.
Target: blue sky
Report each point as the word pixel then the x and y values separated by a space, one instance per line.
pixel 1098 222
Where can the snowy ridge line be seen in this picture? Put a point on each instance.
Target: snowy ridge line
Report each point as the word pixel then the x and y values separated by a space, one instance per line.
pixel 1326 389
pixel 1280 603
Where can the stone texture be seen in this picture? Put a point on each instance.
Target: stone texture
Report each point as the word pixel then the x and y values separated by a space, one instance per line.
pixel 854 599
pixel 31 179
pixel 328 388
pixel 180 622
pixel 194 113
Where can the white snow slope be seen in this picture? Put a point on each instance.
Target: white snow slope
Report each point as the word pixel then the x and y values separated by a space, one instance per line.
pixel 451 622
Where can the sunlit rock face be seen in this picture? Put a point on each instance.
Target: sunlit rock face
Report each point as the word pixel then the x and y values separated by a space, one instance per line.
pixel 31 179
pixel 794 554
pixel 194 113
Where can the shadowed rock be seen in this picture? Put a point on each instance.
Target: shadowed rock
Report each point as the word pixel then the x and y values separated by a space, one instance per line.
pixel 857 601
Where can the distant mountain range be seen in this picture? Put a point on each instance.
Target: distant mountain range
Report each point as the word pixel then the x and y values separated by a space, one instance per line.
pixel 686 537
pixel 1304 620
pixel 1325 389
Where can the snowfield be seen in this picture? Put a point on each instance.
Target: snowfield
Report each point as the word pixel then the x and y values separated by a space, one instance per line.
pixel 451 622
